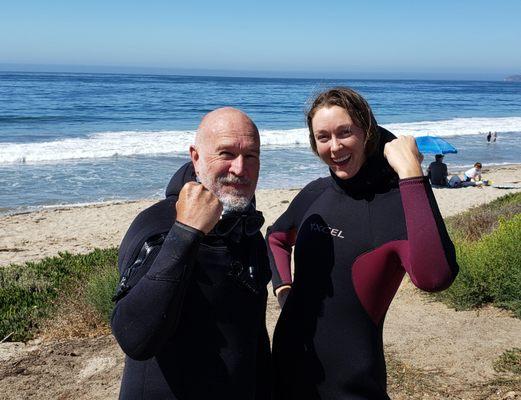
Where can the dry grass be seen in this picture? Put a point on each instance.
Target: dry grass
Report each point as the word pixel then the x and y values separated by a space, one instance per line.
pixel 476 222
pixel 74 318
pixel 407 383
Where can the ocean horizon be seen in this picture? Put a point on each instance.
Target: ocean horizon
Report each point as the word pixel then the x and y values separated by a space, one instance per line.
pixel 69 138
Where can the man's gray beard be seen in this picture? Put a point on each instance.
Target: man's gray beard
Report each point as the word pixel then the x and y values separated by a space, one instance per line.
pixel 232 202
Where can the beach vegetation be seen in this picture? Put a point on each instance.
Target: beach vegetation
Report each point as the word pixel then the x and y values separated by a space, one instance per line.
pixel 489 259
pixel 472 224
pixel 100 289
pixel 509 361
pixel 33 292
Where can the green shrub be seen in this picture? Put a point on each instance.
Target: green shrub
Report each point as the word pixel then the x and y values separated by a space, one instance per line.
pixel 490 269
pixel 509 361
pixel 100 289
pixel 28 292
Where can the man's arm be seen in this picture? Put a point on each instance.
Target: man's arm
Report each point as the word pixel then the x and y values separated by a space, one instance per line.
pixel 144 319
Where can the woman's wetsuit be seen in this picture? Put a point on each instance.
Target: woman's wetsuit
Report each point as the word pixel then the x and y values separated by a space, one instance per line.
pixel 354 240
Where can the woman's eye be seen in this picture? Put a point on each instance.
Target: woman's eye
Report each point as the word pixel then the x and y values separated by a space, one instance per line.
pixel 322 139
pixel 346 132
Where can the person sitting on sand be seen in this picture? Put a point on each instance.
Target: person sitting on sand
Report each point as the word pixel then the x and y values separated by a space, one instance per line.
pixel 191 303
pixel 473 174
pixel 437 171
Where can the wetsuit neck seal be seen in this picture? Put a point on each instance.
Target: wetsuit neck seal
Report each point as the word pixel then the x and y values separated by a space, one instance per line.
pixel 236 224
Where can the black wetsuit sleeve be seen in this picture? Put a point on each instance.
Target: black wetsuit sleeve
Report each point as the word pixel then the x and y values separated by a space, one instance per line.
pixel 144 318
pixel 428 255
pixel 281 236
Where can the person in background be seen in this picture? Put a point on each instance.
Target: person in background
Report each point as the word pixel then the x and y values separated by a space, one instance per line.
pixel 473 174
pixel 489 136
pixel 437 171
pixel 495 136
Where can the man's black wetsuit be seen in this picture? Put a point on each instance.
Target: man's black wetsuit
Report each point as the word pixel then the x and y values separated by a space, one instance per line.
pixel 354 240
pixel 191 310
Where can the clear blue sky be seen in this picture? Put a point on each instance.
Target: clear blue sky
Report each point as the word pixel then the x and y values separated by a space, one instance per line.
pixel 317 37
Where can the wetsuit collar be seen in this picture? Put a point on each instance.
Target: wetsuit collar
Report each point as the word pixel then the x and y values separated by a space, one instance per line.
pixel 375 176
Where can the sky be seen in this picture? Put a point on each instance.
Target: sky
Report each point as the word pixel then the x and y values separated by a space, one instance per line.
pixel 288 38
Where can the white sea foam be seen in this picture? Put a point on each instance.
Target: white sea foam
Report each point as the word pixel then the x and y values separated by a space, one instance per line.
pixel 98 145
pixel 142 143
pixel 457 126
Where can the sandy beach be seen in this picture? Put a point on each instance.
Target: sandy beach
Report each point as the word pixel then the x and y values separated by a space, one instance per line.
pixel 35 235
pixel 453 348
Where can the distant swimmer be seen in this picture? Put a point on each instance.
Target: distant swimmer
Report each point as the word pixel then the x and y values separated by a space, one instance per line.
pixel 495 136
pixel 489 136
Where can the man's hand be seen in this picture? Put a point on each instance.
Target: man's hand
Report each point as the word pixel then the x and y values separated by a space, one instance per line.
pixel 403 156
pixel 198 207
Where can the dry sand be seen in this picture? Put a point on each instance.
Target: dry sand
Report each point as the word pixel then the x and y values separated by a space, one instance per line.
pixel 453 348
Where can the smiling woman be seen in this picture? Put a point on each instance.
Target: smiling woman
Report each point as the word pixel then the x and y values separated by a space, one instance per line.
pixel 339 142
pixel 356 234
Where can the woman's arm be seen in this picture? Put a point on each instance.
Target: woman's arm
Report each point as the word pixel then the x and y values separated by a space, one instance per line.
pixel 281 237
pixel 428 255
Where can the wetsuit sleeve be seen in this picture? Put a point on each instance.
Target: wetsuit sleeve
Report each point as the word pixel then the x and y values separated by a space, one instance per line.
pixel 428 255
pixel 147 315
pixel 280 238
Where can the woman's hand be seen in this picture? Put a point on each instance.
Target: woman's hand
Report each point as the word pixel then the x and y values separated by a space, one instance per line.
pixel 282 294
pixel 403 156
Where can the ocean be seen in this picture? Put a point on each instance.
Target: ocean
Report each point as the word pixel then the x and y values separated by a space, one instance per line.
pixel 70 138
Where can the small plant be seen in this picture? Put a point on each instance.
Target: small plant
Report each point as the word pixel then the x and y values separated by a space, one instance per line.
pixel 100 289
pixel 29 292
pixel 509 361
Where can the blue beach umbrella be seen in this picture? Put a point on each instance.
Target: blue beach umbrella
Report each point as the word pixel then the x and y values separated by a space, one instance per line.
pixel 434 145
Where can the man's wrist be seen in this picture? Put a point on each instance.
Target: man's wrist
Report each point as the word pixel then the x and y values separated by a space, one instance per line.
pixel 189 228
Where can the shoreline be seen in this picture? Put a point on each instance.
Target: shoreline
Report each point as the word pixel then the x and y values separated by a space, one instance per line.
pixel 494 169
pixel 34 235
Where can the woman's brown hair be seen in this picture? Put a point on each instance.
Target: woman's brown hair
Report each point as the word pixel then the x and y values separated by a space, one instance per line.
pixel 356 107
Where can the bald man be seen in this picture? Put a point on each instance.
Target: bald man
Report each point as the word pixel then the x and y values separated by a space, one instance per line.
pixel 191 303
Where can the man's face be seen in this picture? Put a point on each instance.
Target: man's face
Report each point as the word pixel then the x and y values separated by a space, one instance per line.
pixel 226 159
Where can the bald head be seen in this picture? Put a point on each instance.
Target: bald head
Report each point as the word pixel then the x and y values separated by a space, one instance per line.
pixel 224 119
pixel 226 156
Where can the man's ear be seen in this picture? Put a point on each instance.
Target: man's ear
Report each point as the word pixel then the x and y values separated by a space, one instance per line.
pixel 194 156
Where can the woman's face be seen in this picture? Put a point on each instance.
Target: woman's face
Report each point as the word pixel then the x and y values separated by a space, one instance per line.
pixel 340 143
